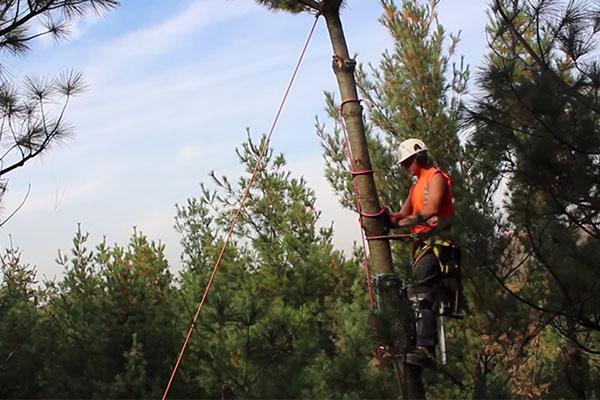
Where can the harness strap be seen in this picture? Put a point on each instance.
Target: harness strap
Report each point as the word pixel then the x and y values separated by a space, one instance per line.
pixel 432 245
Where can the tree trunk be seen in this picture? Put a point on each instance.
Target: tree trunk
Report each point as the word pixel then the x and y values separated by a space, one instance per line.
pixel 576 370
pixel 393 314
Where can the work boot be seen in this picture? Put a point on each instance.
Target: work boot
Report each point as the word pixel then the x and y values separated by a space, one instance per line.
pixel 422 356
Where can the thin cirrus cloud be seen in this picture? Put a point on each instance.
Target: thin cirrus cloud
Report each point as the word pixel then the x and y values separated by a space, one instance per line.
pixel 46 198
pixel 189 89
pixel 141 46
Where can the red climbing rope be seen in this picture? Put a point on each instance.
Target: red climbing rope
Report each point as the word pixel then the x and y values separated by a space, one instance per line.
pixel 239 210
pixel 361 214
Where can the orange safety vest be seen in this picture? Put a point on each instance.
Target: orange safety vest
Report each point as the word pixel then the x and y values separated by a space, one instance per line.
pixel 419 194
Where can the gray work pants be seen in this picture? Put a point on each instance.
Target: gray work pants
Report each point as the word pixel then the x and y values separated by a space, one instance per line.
pixel 426 272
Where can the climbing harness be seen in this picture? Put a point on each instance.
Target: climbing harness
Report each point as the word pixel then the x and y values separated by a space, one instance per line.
pixel 435 245
pixel 241 206
pixel 449 258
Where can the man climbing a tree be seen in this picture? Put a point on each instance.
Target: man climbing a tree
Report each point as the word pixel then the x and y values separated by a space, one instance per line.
pixel 427 212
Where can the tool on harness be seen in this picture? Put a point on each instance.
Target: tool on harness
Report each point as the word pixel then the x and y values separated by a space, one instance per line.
pixel 447 297
pixel 428 300
pixel 433 296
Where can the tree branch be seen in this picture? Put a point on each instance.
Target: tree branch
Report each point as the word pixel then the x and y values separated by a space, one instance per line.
pixel 539 256
pixel 575 341
pixel 19 22
pixel 7 360
pixel 585 322
pixel 540 62
pixel 18 207
pixel 7 6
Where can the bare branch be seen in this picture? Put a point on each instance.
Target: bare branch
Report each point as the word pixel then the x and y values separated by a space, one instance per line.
pixel 5 363
pixel 18 207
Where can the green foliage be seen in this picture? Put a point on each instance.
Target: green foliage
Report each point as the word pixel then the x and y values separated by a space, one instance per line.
pixel 293 6
pixel 287 316
pixel 535 145
pixel 409 97
pixel 20 324
pixel 27 128
pixel 298 6
pixel 412 96
pixel 410 90
pixel 104 331
pixel 544 117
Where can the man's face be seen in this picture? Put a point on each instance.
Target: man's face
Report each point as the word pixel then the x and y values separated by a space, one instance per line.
pixel 408 164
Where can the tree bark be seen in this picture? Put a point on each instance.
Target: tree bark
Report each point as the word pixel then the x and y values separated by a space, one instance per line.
pixel 343 67
pixel 394 315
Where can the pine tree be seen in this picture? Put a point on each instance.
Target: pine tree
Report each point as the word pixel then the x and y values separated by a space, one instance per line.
pixel 395 332
pixel 536 143
pixel 286 316
pixel 28 126
pixel 112 317
pixel 406 92
pixel 20 325
pixel 411 96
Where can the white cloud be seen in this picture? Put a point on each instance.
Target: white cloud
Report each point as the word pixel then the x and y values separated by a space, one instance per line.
pixel 188 153
pixel 137 47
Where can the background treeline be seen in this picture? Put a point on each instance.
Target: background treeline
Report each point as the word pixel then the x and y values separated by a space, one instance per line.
pixel 288 313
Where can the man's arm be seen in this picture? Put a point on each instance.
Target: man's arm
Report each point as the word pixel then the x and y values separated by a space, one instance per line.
pixel 404 212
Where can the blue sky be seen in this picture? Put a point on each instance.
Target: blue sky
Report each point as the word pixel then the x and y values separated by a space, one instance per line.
pixel 173 85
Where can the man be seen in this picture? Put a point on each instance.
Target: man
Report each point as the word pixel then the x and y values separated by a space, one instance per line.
pixel 428 206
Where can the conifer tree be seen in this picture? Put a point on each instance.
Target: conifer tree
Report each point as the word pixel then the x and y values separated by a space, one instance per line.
pixel 285 317
pixel 394 84
pixel 20 320
pixel 109 322
pixel 411 96
pixel 395 332
pixel 536 143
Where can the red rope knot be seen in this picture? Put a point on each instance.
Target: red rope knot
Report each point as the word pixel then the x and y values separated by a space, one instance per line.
pixel 355 100
pixel 350 100
pixel 372 215
pixel 364 172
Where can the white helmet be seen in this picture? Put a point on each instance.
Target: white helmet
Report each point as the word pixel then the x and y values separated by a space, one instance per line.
pixel 409 148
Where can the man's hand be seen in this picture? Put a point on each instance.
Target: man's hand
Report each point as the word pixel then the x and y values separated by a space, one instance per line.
pixel 416 219
pixel 405 222
pixel 395 217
